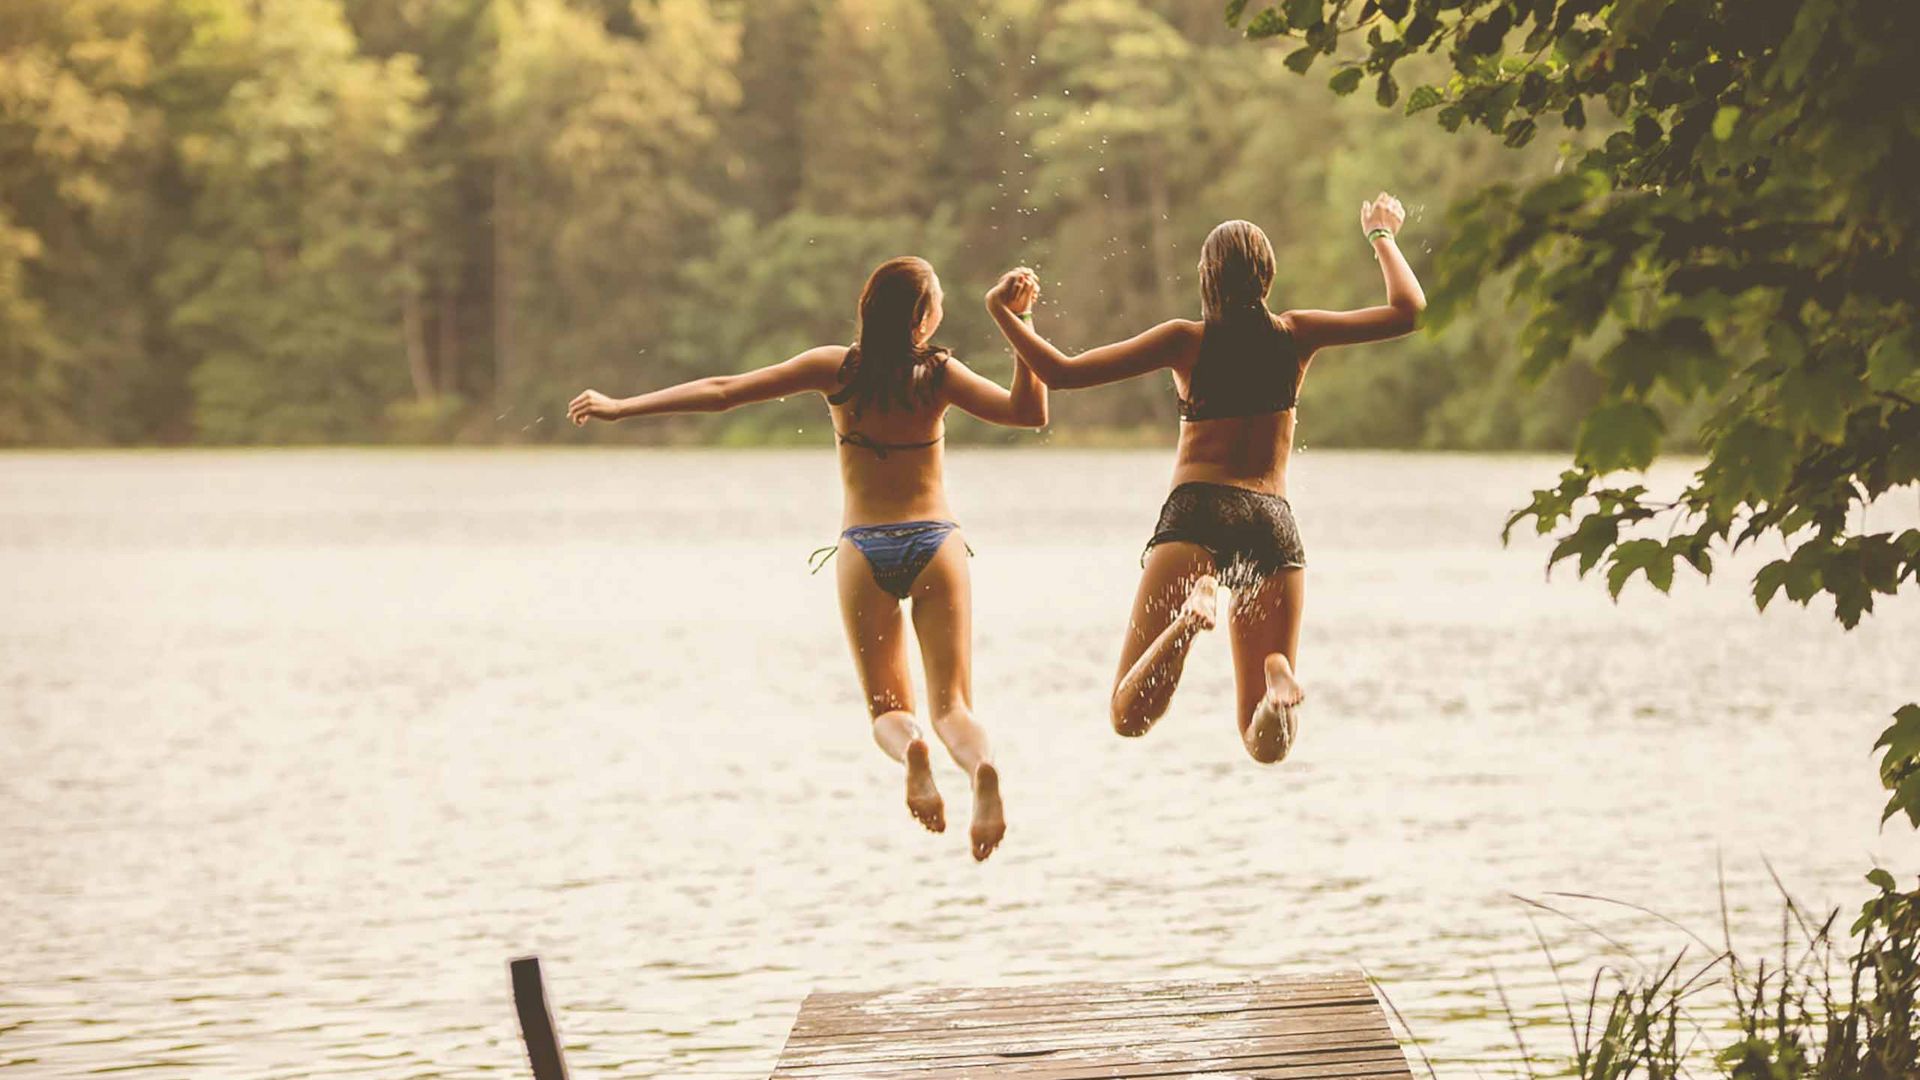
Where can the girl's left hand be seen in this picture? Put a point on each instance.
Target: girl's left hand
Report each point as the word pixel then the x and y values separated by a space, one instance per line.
pixel 591 405
pixel 1017 289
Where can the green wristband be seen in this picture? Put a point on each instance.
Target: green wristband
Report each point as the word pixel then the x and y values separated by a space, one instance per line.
pixel 1375 234
pixel 1024 316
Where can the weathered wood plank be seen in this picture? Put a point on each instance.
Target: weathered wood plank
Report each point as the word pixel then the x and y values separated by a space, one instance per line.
pixel 1307 985
pixel 1301 1028
pixel 1070 1033
pixel 840 1027
pixel 888 1013
pixel 1172 1060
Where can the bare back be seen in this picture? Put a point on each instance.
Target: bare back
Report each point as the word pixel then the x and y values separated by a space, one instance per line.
pixel 886 472
pixel 1244 451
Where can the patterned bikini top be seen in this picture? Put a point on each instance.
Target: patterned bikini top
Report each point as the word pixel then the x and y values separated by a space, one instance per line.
pixel 1248 370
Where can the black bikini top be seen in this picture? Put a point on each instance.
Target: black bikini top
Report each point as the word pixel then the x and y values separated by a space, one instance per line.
pixel 1243 371
pixel 864 442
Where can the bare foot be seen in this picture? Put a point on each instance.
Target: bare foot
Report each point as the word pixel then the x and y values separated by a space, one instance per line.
pixel 1203 603
pixel 989 817
pixel 1269 736
pixel 923 799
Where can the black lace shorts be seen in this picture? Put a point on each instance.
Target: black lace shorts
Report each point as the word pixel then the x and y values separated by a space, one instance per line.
pixel 1250 535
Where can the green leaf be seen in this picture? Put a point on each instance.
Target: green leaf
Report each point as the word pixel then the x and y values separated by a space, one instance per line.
pixel 1724 121
pixel 1300 60
pixel 1816 397
pixel 1388 91
pixel 1268 23
pixel 1750 463
pixel 1900 766
pixel 1234 10
pixel 1770 580
pixel 1590 540
pixel 1650 557
pixel 1619 435
pixel 1423 98
pixel 1304 13
pixel 1786 344
pixel 1880 879
pixel 1892 360
pixel 1345 81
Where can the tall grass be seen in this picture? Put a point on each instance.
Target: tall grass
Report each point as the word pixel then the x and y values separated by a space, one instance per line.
pixel 1828 1007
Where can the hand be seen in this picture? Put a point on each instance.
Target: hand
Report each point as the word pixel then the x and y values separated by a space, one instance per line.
pixel 592 405
pixel 1383 211
pixel 1016 290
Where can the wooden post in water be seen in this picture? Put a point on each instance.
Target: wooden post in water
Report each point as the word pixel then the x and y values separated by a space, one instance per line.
pixel 536 1020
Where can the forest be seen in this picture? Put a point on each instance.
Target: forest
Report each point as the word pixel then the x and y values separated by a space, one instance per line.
pixel 432 221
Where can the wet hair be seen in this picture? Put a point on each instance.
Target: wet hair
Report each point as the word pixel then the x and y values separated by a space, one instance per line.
pixel 885 367
pixel 1236 270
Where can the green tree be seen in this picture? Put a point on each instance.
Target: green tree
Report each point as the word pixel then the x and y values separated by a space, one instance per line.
pixel 871 125
pixel 1741 241
pixel 294 284
pixel 87 90
pixel 604 188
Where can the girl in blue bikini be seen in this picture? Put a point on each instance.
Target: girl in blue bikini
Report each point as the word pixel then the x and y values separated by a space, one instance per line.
pixel 888 394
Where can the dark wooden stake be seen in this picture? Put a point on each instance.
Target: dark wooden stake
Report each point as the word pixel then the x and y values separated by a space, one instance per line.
pixel 536 1020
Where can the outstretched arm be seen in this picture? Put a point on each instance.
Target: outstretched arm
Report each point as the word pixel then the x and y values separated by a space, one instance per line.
pixel 1381 217
pixel 814 370
pixel 1025 405
pixel 1148 351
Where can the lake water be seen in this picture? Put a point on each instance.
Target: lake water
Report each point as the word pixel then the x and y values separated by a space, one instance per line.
pixel 302 747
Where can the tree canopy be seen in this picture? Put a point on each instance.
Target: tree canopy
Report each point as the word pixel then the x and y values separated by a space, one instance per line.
pixel 1729 227
pixel 359 220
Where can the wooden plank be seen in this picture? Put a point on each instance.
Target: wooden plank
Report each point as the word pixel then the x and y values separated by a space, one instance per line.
pixel 1071 1032
pixel 821 1017
pixel 1343 1060
pixel 1328 1027
pixel 536 1021
pixel 1055 993
pixel 1097 1048
pixel 839 1027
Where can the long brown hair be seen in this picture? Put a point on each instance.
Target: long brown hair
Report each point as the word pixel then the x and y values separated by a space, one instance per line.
pixel 885 367
pixel 1236 270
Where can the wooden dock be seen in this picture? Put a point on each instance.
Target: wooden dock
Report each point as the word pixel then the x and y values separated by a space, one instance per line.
pixel 1294 1028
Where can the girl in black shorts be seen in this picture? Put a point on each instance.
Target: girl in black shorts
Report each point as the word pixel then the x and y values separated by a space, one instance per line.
pixel 1238 372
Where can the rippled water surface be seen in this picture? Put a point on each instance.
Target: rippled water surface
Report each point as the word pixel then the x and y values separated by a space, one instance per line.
pixel 301 747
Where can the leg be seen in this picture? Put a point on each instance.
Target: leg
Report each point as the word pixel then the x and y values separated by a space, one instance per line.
pixel 877 634
pixel 1175 602
pixel 1266 644
pixel 943 620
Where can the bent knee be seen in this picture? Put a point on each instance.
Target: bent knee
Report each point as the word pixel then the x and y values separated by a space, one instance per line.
pixel 1131 723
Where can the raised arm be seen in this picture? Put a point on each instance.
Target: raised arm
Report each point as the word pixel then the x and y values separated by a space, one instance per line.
pixel 814 370
pixel 1025 405
pixel 1148 351
pixel 1381 218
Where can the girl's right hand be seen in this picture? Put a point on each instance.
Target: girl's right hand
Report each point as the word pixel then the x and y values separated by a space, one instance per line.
pixel 591 405
pixel 1383 211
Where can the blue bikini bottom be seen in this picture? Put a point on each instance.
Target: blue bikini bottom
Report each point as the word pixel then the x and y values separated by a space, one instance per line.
pixel 896 553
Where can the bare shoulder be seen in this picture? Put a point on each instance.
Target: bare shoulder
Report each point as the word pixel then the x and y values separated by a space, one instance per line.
pixel 824 355
pixel 822 364
pixel 1185 329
